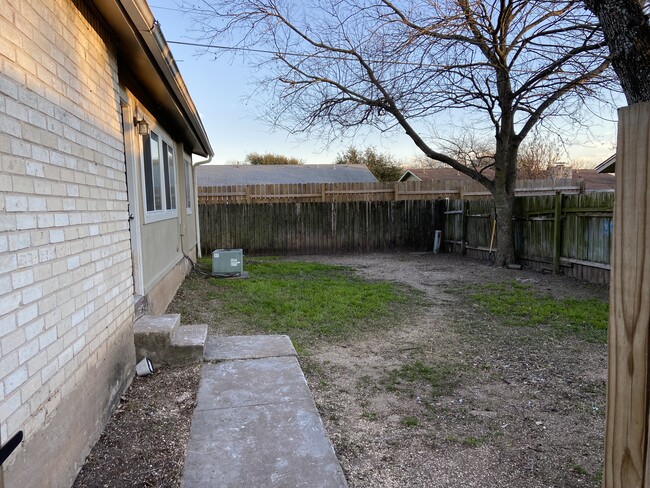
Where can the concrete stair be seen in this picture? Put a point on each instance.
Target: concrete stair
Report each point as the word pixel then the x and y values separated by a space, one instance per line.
pixel 165 341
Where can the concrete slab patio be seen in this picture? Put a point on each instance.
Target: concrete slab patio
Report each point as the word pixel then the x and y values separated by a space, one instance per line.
pixel 255 423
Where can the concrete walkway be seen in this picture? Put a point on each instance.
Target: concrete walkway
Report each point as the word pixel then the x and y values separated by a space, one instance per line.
pixel 255 423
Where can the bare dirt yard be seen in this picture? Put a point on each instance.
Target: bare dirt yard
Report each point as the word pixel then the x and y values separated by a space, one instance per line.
pixel 453 394
pixel 525 407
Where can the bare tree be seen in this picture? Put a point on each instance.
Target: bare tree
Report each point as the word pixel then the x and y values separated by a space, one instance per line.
pixel 471 150
pixel 536 156
pixel 498 65
pixel 271 158
pixel 383 166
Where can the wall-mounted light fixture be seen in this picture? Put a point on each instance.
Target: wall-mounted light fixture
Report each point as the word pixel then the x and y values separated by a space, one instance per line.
pixel 141 124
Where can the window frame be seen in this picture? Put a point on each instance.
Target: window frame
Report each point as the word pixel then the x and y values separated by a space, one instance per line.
pixel 167 174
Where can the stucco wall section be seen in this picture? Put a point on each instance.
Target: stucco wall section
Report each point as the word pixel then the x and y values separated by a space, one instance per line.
pixel 189 220
pixel 65 259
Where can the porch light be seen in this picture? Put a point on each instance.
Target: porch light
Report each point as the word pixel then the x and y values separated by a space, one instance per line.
pixel 143 127
pixel 140 123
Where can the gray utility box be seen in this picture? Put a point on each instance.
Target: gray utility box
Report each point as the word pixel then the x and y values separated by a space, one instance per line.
pixel 227 262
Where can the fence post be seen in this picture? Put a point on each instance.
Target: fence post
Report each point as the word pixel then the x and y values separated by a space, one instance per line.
pixel 557 233
pixel 626 432
pixel 463 227
pixel 396 190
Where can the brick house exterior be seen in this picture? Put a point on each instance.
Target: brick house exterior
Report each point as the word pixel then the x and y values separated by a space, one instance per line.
pixel 88 97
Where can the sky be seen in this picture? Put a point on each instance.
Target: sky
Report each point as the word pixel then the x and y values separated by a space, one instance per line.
pixel 222 92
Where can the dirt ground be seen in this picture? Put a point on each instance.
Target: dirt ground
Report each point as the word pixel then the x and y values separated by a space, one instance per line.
pixel 145 442
pixel 526 409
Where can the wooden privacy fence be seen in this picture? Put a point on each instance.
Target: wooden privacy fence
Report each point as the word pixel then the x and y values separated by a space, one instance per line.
pixel 318 228
pixel 374 192
pixel 571 234
pixel 557 227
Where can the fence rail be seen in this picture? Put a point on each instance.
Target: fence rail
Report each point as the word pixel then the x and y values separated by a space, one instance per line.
pixel 374 192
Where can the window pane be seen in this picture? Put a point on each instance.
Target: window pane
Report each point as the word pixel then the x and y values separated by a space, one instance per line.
pixel 170 176
pixel 166 168
pixel 148 178
pixel 155 170
pixel 188 184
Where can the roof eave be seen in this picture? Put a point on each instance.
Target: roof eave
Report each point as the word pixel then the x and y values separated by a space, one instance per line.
pixel 406 175
pixel 607 166
pixel 141 42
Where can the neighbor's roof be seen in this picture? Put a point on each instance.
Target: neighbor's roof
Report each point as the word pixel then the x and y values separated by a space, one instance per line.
pixel 142 47
pixel 607 166
pixel 430 174
pixel 220 175
pixel 594 180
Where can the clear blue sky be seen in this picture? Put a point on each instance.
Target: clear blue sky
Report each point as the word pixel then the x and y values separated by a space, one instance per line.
pixel 221 90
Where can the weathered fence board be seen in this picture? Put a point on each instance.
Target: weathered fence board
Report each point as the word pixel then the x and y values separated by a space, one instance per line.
pixel 315 228
pixel 579 245
pixel 373 192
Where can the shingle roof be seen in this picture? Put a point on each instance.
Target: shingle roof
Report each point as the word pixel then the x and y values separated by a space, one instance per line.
pixel 220 175
pixel 429 174
pixel 593 180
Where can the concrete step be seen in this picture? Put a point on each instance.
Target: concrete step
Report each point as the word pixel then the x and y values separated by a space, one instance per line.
pixel 188 344
pixel 162 339
pixel 153 336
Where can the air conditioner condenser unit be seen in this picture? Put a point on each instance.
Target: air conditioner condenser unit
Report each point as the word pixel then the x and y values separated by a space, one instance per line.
pixel 227 262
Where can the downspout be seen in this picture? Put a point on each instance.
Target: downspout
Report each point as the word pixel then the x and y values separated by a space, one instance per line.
pixel 196 205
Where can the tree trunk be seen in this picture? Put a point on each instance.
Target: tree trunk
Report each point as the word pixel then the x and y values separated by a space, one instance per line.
pixel 503 191
pixel 627 34
pixel 504 204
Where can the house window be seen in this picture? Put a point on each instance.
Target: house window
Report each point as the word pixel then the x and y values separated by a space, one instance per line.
pixel 188 186
pixel 170 177
pixel 159 177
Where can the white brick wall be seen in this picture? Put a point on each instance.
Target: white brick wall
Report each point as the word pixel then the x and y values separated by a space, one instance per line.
pixel 65 262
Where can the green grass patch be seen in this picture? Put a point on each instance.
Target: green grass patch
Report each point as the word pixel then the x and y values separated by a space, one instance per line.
pixel 309 301
pixel 410 421
pixel 579 470
pixel 518 304
pixel 442 378
pixel 370 415
pixel 598 475
pixel 473 441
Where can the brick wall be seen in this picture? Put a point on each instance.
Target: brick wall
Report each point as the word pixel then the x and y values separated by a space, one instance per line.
pixel 65 261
